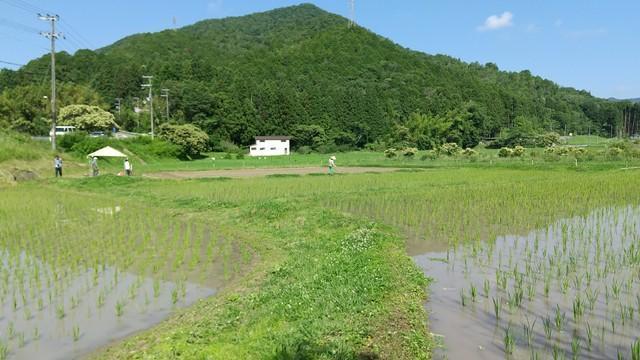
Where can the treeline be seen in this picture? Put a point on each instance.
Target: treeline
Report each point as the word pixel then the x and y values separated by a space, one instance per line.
pixel 301 71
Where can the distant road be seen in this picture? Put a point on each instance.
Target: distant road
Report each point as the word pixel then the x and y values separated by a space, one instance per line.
pixel 259 172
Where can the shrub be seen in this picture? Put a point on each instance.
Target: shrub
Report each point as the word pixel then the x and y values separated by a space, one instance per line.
pixel 614 152
pixel 409 153
pixel 67 141
pixel 304 150
pixel 190 140
pixel 239 156
pixel 429 155
pixel 549 139
pixel 505 152
pixel 469 152
pixel 228 156
pixel 226 147
pixel 390 153
pixel 450 149
pixel 518 151
pixel 89 145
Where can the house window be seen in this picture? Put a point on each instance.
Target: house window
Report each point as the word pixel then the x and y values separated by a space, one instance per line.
pixel 254 148
pixel 284 141
pixel 261 148
pixel 261 140
pixel 273 148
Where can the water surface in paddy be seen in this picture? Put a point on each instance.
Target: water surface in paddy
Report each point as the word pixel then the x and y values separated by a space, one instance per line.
pixel 94 311
pixel 590 263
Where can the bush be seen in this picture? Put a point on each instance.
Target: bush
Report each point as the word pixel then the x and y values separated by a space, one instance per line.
pixel 450 149
pixel 226 147
pixel 390 153
pixel 67 141
pixel 239 156
pixel 518 151
pixel 190 140
pixel 376 146
pixel 327 148
pixel 505 152
pixel 469 152
pixel 89 145
pixel 429 155
pixel 304 150
pixel 228 156
pixel 409 153
pixel 549 139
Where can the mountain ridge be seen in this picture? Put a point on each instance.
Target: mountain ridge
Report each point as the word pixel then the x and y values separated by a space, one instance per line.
pixel 300 66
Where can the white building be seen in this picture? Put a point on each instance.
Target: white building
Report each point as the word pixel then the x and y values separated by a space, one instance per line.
pixel 271 146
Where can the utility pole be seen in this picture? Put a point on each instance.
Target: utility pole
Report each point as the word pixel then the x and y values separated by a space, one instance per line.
pixel 118 107
pixel 352 13
pixel 136 109
pixel 150 86
pixel 165 95
pixel 53 36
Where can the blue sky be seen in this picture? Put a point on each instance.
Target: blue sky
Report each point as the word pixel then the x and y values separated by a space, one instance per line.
pixel 587 44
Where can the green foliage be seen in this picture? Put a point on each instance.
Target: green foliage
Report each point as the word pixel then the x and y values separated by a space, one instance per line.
pixel 25 108
pixel 549 139
pixel 190 140
pixel 450 149
pixel 267 73
pixel 391 153
pixel 409 153
pixel 505 152
pixel 312 136
pixel 86 117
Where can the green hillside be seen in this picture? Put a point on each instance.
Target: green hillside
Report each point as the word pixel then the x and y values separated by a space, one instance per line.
pixel 302 71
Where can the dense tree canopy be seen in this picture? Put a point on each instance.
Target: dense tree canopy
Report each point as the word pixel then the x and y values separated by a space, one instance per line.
pixel 86 117
pixel 279 72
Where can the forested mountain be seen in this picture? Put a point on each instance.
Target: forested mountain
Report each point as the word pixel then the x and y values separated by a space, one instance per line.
pixel 303 71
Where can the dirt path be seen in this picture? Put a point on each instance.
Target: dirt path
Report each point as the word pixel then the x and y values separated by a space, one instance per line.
pixel 258 172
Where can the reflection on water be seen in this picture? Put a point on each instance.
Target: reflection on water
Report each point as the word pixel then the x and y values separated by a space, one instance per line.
pixel 72 316
pixel 568 290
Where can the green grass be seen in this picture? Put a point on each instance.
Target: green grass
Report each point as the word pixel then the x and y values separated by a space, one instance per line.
pixel 591 141
pixel 329 275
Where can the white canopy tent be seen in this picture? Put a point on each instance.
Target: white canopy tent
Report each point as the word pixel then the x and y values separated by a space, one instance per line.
pixel 107 152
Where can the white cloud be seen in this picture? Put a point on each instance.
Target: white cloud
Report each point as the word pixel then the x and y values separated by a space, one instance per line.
pixel 495 22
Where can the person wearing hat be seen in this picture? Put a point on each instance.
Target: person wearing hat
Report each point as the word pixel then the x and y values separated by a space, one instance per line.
pixel 94 166
pixel 332 165
pixel 127 167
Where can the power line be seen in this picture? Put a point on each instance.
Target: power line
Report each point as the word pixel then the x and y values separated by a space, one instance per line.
pixel 20 4
pixel 79 42
pixel 18 26
pixel 11 63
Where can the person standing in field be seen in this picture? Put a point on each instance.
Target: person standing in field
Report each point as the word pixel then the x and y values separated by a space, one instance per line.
pixel 57 164
pixel 127 167
pixel 332 165
pixel 94 167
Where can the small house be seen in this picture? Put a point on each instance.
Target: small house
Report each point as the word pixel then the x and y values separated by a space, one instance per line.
pixel 271 146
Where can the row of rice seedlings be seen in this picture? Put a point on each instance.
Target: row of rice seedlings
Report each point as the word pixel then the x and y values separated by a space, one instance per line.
pixel 79 248
pixel 588 258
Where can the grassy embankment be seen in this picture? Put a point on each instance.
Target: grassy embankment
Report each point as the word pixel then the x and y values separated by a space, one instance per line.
pixel 328 283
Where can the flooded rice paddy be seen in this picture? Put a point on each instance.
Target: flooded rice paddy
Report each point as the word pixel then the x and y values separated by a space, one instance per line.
pixel 79 273
pixel 571 290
